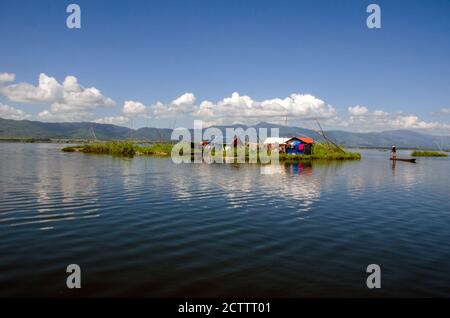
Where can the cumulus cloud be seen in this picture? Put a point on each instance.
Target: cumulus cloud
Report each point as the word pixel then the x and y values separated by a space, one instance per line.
pixel 114 120
pixel 186 99
pixel 361 119
pixel 48 90
pixel 7 77
pixel 9 112
pixel 412 121
pixel 358 110
pixel 296 105
pixel 244 107
pixel 181 106
pixel 78 97
pixel 69 100
pixel 132 108
pixel 380 113
pixel 55 115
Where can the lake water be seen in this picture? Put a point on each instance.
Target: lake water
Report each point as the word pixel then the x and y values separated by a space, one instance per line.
pixel 147 227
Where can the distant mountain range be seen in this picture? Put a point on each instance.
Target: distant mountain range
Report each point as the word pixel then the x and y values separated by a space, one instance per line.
pixel 25 129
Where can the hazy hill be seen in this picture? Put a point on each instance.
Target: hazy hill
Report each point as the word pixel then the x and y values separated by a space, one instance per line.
pixel 400 138
pixel 35 129
pixel 40 130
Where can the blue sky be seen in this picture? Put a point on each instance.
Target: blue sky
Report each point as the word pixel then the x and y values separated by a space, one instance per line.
pixel 150 51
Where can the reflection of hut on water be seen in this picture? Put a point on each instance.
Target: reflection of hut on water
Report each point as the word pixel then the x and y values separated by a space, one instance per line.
pixel 299 168
pixel 272 169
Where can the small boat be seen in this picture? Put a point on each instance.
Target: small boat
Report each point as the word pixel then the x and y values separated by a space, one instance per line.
pixel 404 159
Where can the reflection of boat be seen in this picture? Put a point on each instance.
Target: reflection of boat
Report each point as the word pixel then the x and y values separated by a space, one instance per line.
pixel 404 159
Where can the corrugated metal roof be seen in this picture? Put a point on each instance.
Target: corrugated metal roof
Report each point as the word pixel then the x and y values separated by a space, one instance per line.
pixel 307 140
pixel 276 140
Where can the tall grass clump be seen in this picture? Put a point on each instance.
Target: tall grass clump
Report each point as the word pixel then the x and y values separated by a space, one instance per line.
pixel 331 152
pixel 120 148
pixel 321 151
pixel 418 153
pixel 156 149
pixel 71 148
pixel 127 148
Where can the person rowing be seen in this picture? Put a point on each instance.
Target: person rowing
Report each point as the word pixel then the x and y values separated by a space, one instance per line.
pixel 394 152
pixel 394 156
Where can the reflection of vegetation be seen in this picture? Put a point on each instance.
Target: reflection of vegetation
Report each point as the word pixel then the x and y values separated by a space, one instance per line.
pixel 126 148
pixel 70 149
pixel 30 140
pixel 323 157
pixel 417 153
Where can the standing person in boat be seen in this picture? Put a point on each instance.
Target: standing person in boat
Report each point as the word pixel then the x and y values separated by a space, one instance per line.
pixel 394 152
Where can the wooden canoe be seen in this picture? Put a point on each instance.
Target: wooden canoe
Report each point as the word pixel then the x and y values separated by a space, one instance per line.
pixel 404 159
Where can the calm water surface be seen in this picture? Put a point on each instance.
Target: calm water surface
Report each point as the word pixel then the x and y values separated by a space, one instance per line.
pixel 147 227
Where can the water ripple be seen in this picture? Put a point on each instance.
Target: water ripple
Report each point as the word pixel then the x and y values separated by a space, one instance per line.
pixel 147 227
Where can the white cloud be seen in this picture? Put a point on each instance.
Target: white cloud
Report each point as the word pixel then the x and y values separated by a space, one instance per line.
pixel 69 101
pixel 296 105
pixel 64 116
pixel 9 112
pixel 358 110
pixel 361 119
pixel 7 77
pixel 181 106
pixel 186 99
pixel 71 84
pixel 380 113
pixel 47 91
pixel 132 108
pixel 412 121
pixel 114 120
pixel 244 108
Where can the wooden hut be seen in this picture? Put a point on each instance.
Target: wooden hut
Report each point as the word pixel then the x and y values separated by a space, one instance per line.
pixel 299 145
